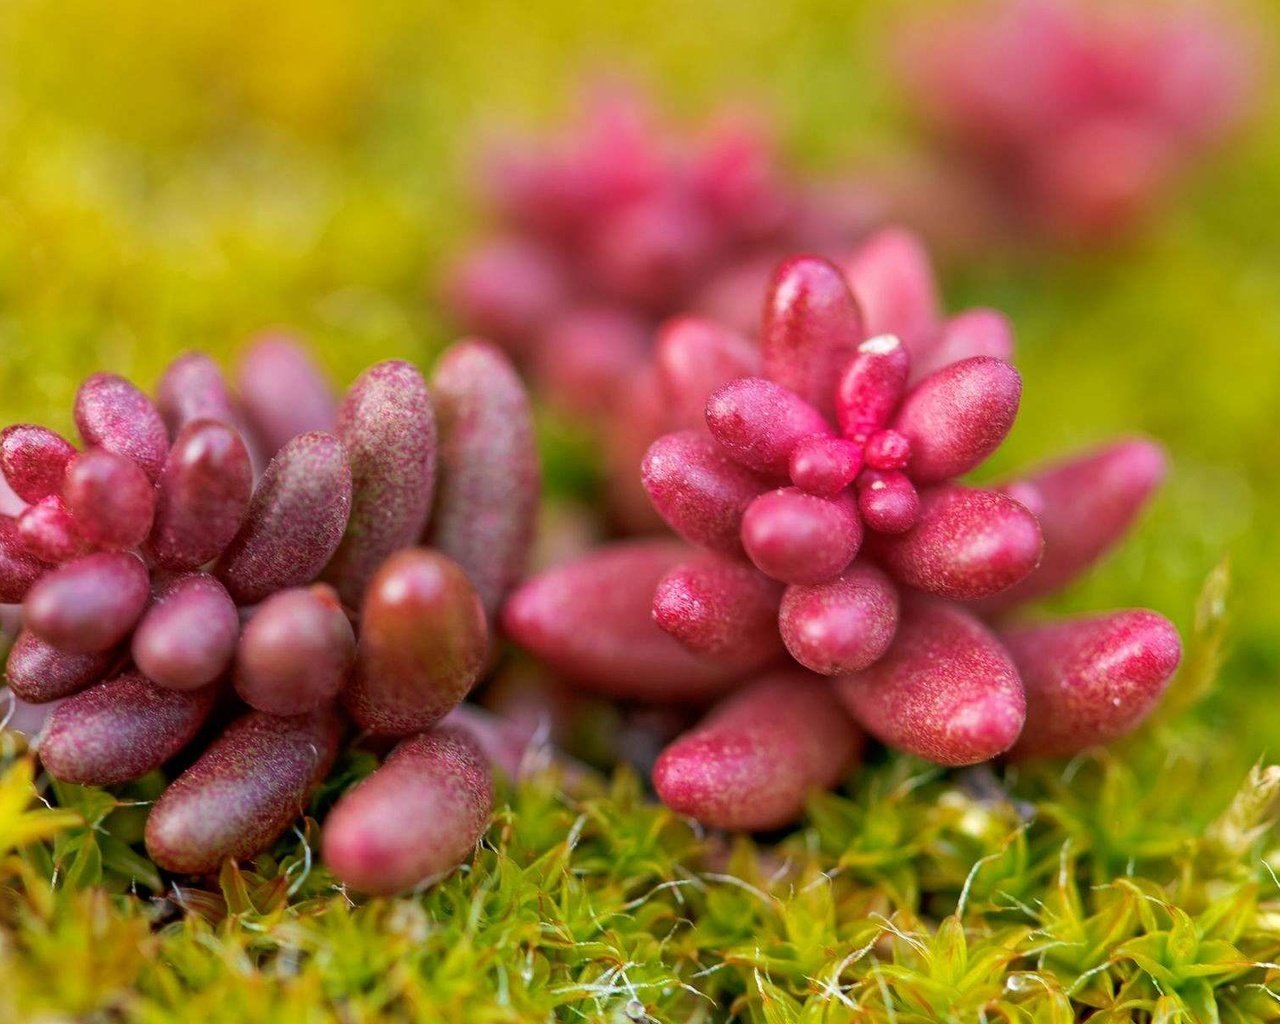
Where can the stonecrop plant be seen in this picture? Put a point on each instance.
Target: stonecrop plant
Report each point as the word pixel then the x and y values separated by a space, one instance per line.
pixel 231 581
pixel 237 585
pixel 1074 119
pixel 617 225
pixel 833 575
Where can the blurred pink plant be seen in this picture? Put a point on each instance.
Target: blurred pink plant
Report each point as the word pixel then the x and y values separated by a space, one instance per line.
pixel 1079 118
pixel 621 221
pixel 833 574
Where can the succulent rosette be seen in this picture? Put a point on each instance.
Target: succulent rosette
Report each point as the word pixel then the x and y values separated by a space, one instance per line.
pixel 1078 118
pixel 832 569
pixel 170 599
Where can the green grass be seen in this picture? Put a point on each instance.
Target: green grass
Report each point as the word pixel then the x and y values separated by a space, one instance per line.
pixel 180 175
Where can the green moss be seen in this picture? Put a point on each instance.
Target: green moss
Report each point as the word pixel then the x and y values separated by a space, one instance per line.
pixel 181 175
pixel 913 896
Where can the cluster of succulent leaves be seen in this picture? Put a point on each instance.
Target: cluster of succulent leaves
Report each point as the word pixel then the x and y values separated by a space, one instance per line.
pixel 314 188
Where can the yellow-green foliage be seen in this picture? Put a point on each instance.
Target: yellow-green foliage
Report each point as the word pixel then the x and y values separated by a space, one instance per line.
pixel 915 897
pixel 178 175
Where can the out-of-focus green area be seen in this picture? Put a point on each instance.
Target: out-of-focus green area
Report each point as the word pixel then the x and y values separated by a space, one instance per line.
pixel 174 176
pixel 177 176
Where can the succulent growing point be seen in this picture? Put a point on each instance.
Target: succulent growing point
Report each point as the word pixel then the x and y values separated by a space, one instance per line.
pixel 835 450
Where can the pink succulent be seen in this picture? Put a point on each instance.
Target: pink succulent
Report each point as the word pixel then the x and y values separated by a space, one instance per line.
pixel 1078 118
pixel 152 585
pixel 824 493
pixel 840 443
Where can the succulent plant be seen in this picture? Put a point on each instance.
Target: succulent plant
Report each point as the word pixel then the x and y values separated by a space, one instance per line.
pixel 166 595
pixel 1076 119
pixel 835 534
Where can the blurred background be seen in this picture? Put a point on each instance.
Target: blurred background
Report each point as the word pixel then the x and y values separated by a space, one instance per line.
pixel 181 176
